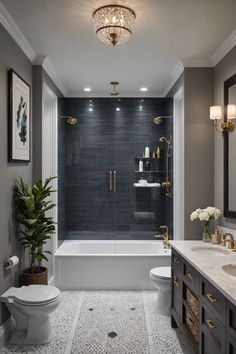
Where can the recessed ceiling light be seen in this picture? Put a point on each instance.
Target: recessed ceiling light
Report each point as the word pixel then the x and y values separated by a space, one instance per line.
pixel 117 109
pixel 87 89
pixel 90 109
pixel 140 108
pixel 143 89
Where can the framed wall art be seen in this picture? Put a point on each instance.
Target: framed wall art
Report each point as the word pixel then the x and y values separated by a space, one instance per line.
pixel 19 119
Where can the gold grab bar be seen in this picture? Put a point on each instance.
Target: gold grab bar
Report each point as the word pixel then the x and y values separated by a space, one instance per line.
pixel 110 179
pixel 114 181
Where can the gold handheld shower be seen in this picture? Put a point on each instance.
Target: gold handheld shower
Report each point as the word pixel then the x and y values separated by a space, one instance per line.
pixel 69 119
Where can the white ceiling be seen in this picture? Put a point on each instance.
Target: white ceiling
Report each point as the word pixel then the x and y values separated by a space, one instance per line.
pixel 166 31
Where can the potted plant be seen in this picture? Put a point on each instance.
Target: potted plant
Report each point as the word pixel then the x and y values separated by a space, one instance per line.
pixel 32 205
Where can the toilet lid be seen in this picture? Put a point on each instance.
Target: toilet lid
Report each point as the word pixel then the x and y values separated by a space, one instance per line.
pixel 161 272
pixel 37 294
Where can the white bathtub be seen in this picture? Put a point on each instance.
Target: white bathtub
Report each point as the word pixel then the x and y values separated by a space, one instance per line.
pixel 108 265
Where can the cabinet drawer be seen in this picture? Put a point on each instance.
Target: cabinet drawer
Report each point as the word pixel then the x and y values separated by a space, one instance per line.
pixel 176 260
pixel 214 299
pixel 191 277
pixel 212 333
pixel 231 319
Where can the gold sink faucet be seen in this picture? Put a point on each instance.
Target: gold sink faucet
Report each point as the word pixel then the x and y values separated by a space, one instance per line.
pixel 228 238
pixel 164 236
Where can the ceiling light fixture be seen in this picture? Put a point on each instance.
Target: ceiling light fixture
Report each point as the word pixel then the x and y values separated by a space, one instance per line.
pixel 143 89
pixel 87 89
pixel 117 109
pixel 113 24
pixel 114 84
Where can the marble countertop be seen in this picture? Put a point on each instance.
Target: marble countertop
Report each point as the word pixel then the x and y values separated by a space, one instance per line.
pixel 210 264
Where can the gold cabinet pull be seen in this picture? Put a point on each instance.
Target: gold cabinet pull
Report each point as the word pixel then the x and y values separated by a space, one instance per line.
pixel 190 276
pixel 176 282
pixel 212 298
pixel 114 181
pixel 110 186
pixel 210 324
pixel 175 260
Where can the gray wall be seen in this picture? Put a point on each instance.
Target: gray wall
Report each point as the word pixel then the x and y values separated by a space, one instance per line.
pixel 11 56
pixel 223 70
pixel 197 84
pixel 199 145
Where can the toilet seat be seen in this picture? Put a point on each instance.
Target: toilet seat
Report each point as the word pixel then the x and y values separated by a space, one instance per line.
pixel 161 272
pixel 37 295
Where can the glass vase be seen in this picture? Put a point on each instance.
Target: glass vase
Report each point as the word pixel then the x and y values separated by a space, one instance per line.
pixel 206 233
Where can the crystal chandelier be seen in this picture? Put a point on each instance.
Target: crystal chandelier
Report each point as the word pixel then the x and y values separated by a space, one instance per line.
pixel 114 24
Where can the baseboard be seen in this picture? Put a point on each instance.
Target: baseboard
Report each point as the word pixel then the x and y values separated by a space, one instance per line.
pixel 6 330
pixel 51 280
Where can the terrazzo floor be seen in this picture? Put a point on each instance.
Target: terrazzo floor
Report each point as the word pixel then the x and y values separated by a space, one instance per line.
pixel 108 322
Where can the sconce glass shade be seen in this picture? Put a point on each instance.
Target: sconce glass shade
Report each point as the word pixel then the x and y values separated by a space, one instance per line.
pixel 114 24
pixel 215 112
pixel 231 111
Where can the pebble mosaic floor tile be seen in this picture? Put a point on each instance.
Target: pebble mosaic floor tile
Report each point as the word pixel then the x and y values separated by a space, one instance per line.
pixel 108 322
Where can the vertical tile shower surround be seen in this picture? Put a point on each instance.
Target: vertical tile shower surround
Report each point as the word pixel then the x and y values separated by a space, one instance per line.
pixel 105 139
pixel 108 322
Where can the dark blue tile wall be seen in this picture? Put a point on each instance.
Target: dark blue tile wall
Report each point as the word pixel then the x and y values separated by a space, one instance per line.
pixel 105 139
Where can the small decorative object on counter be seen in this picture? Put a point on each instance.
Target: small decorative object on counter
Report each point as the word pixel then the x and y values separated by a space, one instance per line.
pixel 147 151
pixel 147 166
pixel 206 215
pixel 158 153
pixel 154 154
pixel 140 165
pixel 216 238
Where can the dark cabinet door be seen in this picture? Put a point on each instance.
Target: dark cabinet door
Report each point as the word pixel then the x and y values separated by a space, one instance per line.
pixel 212 333
pixel 176 299
pixel 230 345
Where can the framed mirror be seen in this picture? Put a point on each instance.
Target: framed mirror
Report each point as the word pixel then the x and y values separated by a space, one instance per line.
pixel 229 153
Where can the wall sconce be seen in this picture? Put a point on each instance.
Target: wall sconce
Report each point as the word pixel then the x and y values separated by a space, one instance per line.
pixel 216 113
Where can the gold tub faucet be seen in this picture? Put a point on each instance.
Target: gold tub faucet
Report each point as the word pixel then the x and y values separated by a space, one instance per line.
pixel 164 236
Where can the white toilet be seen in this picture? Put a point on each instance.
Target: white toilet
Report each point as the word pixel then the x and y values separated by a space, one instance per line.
pixel 30 307
pixel 160 278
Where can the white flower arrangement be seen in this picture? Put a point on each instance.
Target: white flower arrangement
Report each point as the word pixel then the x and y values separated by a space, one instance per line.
pixel 205 214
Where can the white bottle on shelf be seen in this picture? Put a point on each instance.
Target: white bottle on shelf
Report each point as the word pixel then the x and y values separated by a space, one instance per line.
pixel 140 166
pixel 147 151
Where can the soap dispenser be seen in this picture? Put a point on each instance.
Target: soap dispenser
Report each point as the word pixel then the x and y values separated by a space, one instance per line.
pixel 147 151
pixel 140 165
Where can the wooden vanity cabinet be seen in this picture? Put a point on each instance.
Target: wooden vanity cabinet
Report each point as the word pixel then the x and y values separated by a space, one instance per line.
pixel 200 310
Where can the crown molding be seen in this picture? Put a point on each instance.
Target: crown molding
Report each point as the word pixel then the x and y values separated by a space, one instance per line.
pixel 175 74
pixel 224 49
pixel 107 95
pixel 197 62
pixel 11 27
pixel 45 62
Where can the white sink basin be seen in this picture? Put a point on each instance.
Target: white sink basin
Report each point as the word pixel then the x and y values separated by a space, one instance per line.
pixel 211 251
pixel 230 269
